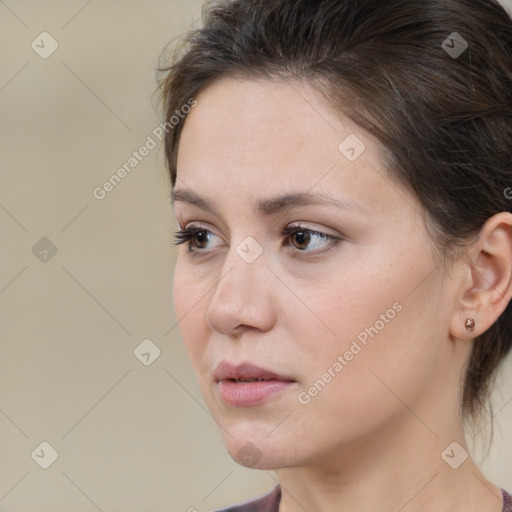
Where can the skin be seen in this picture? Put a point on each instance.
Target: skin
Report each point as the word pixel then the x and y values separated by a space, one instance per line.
pixel 372 438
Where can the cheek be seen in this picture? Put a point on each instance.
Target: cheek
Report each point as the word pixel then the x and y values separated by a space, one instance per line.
pixel 384 365
pixel 352 387
pixel 369 320
pixel 189 291
pixel 348 303
pixel 190 305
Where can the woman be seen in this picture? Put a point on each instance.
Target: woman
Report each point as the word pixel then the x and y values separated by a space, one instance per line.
pixel 341 182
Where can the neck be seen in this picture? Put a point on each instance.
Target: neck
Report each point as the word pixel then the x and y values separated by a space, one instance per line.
pixel 402 470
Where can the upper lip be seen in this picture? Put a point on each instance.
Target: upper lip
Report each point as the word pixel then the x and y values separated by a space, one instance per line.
pixel 226 371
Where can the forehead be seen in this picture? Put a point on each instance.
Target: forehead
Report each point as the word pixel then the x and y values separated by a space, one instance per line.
pixel 282 129
pixel 249 140
pixel 263 108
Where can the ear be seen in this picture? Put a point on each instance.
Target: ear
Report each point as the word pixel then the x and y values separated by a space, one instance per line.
pixel 488 288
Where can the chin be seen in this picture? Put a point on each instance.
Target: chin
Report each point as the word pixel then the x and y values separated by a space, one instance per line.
pixel 255 456
pixel 254 448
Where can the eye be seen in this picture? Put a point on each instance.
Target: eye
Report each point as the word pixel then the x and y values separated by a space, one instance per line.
pixel 190 235
pixel 306 238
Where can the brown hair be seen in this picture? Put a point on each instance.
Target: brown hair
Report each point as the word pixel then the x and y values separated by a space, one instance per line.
pixel 444 118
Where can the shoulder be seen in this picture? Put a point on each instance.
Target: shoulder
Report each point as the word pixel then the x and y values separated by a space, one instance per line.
pixel 267 503
pixel 507 501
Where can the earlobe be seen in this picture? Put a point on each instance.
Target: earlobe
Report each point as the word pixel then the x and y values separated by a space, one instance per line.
pixel 486 294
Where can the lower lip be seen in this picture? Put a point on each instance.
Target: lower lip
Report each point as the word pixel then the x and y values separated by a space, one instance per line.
pixel 246 394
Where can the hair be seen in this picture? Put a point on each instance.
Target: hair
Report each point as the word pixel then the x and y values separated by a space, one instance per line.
pixel 445 120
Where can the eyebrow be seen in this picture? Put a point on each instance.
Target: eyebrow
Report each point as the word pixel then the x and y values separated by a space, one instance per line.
pixel 269 207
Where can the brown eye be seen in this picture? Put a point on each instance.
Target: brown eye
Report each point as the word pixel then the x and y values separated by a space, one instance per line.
pixel 307 240
pixel 202 237
pixel 303 239
pixel 196 238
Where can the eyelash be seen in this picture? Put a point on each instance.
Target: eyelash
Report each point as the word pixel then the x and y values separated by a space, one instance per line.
pixel 186 235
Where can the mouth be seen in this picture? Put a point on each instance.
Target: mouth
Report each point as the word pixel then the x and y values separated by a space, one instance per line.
pixel 249 380
pixel 247 372
pixel 246 385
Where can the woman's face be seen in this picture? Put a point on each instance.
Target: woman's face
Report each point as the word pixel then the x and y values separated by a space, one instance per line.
pixel 348 314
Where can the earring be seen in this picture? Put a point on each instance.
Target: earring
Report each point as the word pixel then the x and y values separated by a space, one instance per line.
pixel 469 324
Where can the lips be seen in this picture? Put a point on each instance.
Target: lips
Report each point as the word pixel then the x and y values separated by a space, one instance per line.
pixel 246 372
pixel 247 385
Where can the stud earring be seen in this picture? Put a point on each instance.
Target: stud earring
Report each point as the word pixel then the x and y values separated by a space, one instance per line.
pixel 469 324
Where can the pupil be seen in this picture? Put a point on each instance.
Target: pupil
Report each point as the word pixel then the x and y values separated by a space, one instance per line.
pixel 202 237
pixel 302 237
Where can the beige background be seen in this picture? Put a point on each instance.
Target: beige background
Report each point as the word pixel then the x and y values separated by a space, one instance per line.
pixel 129 437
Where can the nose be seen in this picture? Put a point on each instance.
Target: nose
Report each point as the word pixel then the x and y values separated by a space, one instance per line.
pixel 243 298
